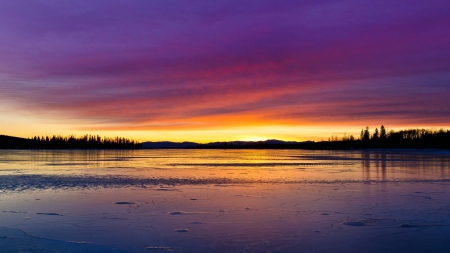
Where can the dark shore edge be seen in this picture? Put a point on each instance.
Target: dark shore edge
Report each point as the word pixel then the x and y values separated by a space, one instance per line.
pixel 404 139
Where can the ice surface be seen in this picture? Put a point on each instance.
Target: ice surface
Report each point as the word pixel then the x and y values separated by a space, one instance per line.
pixel 354 223
pixel 216 201
pixel 15 240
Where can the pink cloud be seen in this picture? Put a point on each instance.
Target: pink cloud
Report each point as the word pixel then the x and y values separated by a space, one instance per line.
pixel 163 63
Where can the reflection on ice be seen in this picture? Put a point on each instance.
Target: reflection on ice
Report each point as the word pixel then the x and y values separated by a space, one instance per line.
pixel 225 201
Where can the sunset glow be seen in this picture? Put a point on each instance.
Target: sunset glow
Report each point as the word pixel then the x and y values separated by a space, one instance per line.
pixel 223 70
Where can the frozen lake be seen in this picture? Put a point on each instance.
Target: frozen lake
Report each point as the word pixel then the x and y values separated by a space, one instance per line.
pixel 224 201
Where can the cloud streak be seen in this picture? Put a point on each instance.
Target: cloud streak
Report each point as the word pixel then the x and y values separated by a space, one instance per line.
pixel 156 64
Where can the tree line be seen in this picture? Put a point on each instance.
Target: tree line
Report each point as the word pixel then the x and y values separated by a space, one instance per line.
pixel 69 142
pixel 381 138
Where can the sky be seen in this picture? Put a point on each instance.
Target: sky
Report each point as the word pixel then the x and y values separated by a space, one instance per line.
pixel 222 70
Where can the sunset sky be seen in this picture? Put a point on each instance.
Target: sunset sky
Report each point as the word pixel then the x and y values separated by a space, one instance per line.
pixel 222 70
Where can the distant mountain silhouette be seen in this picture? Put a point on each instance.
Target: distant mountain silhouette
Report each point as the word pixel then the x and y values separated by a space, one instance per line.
pixel 227 144
pixel 267 144
pixel 168 144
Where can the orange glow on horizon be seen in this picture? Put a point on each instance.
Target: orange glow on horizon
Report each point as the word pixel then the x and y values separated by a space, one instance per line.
pixel 231 131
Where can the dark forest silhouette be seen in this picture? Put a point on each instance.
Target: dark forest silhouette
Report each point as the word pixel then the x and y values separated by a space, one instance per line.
pixel 409 138
pixel 68 142
pixel 379 139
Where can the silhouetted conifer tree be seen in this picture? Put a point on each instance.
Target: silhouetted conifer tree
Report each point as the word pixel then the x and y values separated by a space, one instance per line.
pixel 383 133
pixel 366 135
pixel 376 135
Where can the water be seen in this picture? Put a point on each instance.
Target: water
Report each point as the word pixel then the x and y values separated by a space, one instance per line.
pixel 224 201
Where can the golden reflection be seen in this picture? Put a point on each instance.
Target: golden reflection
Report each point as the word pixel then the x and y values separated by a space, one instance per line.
pixel 238 165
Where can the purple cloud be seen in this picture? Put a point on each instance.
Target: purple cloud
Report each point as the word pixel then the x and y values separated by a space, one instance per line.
pixel 137 62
